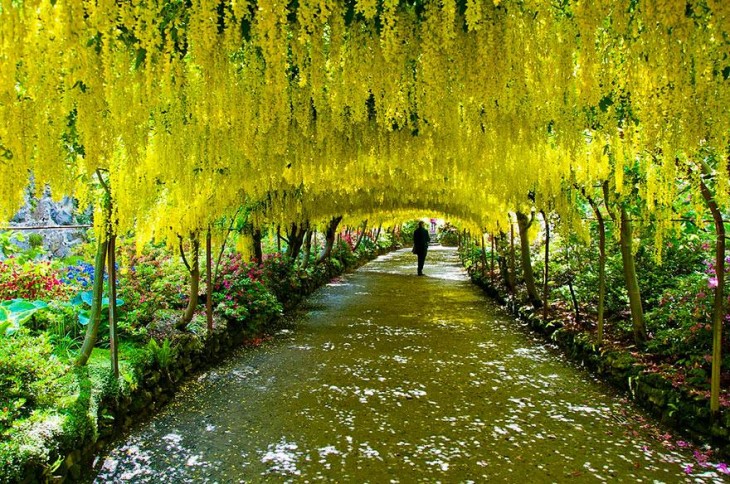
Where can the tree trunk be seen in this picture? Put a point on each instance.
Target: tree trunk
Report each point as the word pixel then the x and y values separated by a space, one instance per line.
pixel 512 273
pixel 329 239
pixel 632 284
pixel 493 274
pixel 503 261
pixel 484 255
pixel 524 226
pixel 113 343
pixel 307 248
pixel 546 277
pixel 362 234
pixel 601 267
pixel 209 281
pixel 194 270
pixel 223 247
pixel 576 308
pixel 92 329
pixel 258 252
pixel 718 307
pixel 296 239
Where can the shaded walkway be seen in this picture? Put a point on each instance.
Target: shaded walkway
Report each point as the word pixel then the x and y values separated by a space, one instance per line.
pixel 389 377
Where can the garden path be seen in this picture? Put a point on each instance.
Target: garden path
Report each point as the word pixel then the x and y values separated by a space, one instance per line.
pixel 389 377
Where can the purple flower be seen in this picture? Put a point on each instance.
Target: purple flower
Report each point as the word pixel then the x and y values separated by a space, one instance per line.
pixel 688 469
pixel 722 467
pixel 712 282
pixel 681 443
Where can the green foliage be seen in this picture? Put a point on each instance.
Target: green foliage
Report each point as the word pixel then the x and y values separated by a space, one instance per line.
pixel 15 313
pixel 83 302
pixel 343 253
pixel 10 246
pixel 30 280
pixel 448 235
pixel 247 290
pixel 58 318
pixel 29 375
pixel 163 355
pixel 385 240
pixel 406 231
pixel 151 281
pixel 35 241
pixel 682 326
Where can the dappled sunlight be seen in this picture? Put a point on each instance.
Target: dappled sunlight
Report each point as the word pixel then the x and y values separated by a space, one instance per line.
pixel 389 377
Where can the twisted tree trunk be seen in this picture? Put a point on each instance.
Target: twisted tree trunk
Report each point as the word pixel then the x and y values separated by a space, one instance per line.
pixel 92 328
pixel 258 252
pixel 632 283
pixel 194 271
pixel 524 226
pixel 329 239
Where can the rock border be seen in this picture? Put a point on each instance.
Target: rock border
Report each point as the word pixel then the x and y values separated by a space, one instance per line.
pixel 687 413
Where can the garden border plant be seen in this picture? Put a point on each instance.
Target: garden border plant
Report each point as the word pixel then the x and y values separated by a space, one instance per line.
pixel 674 405
pixel 58 442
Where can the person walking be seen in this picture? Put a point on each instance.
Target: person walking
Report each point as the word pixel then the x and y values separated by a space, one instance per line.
pixel 420 245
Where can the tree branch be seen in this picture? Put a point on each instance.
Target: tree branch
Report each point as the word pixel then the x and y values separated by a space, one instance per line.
pixel 182 254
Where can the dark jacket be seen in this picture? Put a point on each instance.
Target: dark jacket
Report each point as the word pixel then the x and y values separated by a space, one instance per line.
pixel 420 240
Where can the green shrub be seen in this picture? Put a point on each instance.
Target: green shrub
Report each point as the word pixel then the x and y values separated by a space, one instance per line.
pixel 342 252
pixel 448 235
pixel 148 282
pixel 29 374
pixel 30 280
pixel 243 293
pixel 162 354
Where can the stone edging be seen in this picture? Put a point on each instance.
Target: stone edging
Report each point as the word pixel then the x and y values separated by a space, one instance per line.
pixel 687 413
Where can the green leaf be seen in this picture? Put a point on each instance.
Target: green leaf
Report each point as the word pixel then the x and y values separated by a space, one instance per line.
pixel 7 327
pixel 87 297
pixel 84 317
pixel 19 305
pixel 105 302
pixel 19 311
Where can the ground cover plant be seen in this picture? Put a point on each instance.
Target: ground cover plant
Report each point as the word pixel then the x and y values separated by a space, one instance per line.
pixel 48 401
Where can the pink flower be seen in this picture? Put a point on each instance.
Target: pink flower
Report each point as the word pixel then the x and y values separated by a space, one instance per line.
pixel 688 469
pixel 712 282
pixel 722 468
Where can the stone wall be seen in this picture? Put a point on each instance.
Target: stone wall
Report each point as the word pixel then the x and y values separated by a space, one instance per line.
pixel 44 212
pixel 156 388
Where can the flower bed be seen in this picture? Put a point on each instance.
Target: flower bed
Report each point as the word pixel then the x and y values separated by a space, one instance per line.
pixel 55 417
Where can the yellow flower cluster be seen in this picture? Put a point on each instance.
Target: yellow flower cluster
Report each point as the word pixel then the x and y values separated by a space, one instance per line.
pixel 193 108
